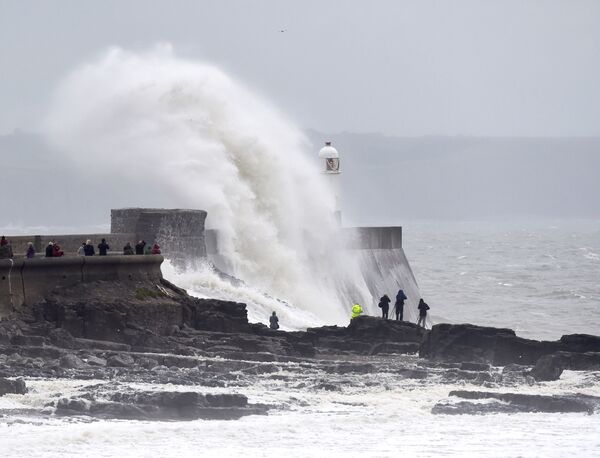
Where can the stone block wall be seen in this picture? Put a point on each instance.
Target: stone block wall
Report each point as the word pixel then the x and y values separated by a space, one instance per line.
pixel 28 281
pixel 180 233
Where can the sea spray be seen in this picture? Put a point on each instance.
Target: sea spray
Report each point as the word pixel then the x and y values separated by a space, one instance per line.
pixel 187 132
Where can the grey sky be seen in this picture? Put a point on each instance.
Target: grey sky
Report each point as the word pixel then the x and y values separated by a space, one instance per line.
pixel 472 67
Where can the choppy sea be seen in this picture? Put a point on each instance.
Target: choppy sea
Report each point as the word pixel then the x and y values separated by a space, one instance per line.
pixel 541 278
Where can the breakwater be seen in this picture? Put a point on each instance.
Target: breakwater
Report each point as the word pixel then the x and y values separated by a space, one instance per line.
pixel 27 281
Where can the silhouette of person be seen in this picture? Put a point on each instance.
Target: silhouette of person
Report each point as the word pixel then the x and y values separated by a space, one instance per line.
pixel 274 321
pixel 423 307
pixel 384 304
pixel 399 305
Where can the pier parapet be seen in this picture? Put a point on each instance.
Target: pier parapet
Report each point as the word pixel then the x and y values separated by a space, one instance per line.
pixel 27 281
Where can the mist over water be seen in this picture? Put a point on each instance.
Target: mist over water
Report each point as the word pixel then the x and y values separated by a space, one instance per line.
pixel 187 130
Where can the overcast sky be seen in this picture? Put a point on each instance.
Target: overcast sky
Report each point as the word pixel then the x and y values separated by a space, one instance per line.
pixel 405 68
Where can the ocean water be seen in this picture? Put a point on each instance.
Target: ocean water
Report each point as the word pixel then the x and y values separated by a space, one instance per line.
pixel 540 277
pixel 374 415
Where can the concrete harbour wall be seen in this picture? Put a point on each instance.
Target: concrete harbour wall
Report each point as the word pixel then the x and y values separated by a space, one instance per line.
pixel 27 281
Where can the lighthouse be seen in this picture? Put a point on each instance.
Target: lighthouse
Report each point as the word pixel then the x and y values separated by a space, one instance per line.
pixel 331 169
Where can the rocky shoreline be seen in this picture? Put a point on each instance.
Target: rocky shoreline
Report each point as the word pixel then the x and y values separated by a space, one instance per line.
pixel 116 334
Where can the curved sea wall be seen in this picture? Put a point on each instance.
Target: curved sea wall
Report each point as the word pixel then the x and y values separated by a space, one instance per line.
pixel 27 281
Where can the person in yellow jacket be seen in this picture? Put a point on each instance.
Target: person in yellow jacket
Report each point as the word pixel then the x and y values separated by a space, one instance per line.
pixel 356 310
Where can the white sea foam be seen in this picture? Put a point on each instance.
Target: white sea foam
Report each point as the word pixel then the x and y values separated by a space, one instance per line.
pixel 186 129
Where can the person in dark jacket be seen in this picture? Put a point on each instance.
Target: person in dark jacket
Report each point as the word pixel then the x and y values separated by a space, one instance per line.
pixel 399 305
pixel 139 247
pixel 423 307
pixel 30 253
pixel 103 248
pixel 88 249
pixel 6 251
pixel 274 321
pixel 384 305
pixel 3 241
pixel 128 249
pixel 50 250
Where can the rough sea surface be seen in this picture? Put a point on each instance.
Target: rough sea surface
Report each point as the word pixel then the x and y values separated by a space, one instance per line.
pixel 541 278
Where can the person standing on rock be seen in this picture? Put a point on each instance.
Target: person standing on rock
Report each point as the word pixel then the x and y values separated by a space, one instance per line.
pixel 274 321
pixel 423 307
pixel 356 310
pixel 103 248
pixel 384 305
pixel 399 305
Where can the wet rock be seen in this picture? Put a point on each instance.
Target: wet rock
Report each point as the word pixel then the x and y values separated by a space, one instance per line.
pixel 164 406
pixel 95 361
pixel 61 338
pixel 16 386
pixel 453 375
pixel 121 360
pixel 225 349
pixel 118 410
pixel 394 348
pixel 470 366
pixel 515 374
pixel 327 387
pixel 418 374
pixel 496 346
pixel 350 368
pixel 178 361
pixel 91 344
pixel 70 361
pixel 226 400
pixel 550 367
pixel 147 363
pixel 535 403
pixel 472 408
pixel 65 406
pixel 374 329
pixel 366 335
pixel 41 352
pixel 30 341
pixel 580 343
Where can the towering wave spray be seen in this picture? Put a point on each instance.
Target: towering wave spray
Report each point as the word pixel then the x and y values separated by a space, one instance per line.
pixel 205 141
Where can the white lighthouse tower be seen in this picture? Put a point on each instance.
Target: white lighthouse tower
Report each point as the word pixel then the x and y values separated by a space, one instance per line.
pixel 331 159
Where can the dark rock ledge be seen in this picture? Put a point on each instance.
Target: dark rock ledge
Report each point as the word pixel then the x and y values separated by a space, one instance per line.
pixel 110 331
pixel 516 402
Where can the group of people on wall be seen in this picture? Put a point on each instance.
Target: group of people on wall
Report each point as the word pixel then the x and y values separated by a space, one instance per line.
pixel 54 250
pixel 384 305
